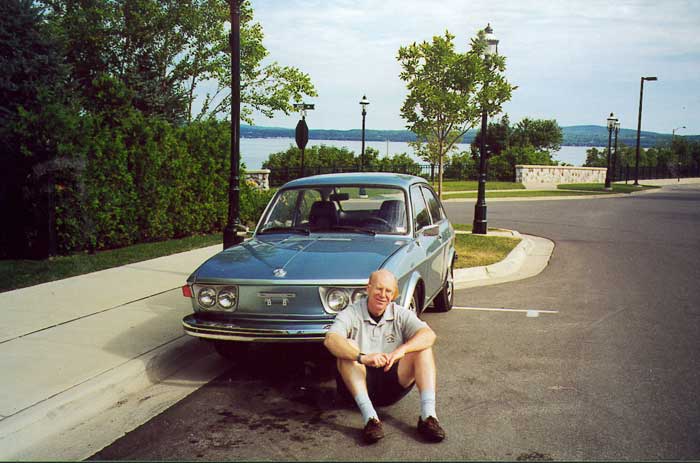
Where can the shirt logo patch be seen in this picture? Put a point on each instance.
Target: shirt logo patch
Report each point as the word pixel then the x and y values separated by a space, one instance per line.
pixel 390 338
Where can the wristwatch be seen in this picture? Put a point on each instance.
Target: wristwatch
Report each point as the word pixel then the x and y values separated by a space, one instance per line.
pixel 359 357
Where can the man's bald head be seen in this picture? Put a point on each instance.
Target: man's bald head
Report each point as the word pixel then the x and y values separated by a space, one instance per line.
pixel 386 278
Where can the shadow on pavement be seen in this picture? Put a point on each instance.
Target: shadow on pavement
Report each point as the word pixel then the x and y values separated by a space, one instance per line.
pixel 272 395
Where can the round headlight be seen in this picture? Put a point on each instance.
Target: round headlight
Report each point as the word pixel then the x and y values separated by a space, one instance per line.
pixel 206 297
pixel 337 299
pixel 228 297
pixel 358 294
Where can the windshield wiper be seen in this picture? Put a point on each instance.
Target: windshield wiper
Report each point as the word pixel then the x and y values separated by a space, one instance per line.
pixel 354 229
pixel 299 230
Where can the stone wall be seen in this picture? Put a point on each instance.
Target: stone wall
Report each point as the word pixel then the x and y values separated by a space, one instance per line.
pixel 547 175
pixel 259 178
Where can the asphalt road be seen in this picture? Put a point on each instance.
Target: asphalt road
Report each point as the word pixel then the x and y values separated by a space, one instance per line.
pixel 610 372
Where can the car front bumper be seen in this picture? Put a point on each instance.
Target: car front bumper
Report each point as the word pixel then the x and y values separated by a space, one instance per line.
pixel 257 331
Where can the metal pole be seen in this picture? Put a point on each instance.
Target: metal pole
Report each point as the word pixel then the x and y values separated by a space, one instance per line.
pixel 234 226
pixel 614 163
pixel 607 170
pixel 639 129
pixel 480 223
pixel 362 159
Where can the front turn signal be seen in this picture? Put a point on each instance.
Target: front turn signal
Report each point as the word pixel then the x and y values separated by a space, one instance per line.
pixel 187 291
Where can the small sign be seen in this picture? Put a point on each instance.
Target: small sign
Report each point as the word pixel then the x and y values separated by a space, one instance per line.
pixel 302 134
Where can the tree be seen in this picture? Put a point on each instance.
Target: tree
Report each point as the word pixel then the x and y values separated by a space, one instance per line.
pixel 164 49
pixel 37 126
pixel 428 148
pixel 447 90
pixel 498 138
pixel 314 156
pixel 399 163
pixel 541 134
pixel 530 141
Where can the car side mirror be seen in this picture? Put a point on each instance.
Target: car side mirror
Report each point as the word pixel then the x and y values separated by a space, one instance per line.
pixel 431 230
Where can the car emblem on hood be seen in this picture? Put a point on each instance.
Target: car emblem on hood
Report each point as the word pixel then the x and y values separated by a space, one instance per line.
pixel 279 272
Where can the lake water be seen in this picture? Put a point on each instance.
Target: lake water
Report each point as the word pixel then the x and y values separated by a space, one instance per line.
pixel 255 151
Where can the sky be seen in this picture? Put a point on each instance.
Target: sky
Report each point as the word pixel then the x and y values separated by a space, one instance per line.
pixel 573 61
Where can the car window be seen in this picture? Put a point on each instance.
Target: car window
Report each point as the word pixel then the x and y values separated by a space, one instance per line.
pixel 371 208
pixel 282 213
pixel 285 207
pixel 420 210
pixel 433 204
pixel 307 199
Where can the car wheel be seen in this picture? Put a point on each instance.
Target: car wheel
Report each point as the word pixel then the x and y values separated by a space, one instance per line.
pixel 414 306
pixel 445 299
pixel 231 350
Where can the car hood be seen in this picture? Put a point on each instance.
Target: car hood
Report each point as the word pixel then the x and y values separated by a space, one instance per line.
pixel 307 258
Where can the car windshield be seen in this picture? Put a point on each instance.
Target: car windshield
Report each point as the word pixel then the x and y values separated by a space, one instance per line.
pixel 341 209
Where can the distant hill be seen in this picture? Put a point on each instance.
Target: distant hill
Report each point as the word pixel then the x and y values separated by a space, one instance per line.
pixel 575 135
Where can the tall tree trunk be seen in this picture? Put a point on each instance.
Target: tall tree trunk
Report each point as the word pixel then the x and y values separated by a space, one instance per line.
pixel 440 158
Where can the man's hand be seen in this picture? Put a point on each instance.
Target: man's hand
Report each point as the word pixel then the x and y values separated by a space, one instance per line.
pixel 375 360
pixel 394 357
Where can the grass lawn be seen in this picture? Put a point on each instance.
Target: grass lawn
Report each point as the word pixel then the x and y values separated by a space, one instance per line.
pixel 475 250
pixel 21 273
pixel 468 185
pixel 522 194
pixel 468 227
pixel 600 187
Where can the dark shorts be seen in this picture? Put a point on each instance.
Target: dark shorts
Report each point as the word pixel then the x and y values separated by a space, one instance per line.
pixel 383 388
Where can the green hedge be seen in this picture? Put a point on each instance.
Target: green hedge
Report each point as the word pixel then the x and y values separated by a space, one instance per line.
pixel 122 179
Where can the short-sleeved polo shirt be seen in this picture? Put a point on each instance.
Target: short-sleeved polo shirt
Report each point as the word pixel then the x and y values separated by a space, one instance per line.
pixel 396 326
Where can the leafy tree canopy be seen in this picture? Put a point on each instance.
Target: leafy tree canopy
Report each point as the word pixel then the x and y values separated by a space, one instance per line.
pixel 448 90
pixel 164 49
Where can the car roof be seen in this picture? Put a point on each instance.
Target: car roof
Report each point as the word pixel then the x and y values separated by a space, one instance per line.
pixel 356 178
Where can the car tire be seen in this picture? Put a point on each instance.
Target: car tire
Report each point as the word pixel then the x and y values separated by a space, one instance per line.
pixel 445 298
pixel 231 350
pixel 414 305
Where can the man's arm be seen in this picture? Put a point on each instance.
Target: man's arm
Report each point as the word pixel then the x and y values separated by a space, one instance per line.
pixel 343 349
pixel 340 347
pixel 423 339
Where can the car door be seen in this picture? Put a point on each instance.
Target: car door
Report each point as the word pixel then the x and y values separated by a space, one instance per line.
pixel 428 240
pixel 445 234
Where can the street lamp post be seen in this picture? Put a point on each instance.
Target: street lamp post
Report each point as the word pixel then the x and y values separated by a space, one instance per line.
pixel 235 230
pixel 363 102
pixel 614 161
pixel 611 126
pixel 639 128
pixel 480 223
pixel 673 134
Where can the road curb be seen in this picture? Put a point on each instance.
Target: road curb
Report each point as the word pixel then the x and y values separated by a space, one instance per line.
pixel 535 249
pixel 23 436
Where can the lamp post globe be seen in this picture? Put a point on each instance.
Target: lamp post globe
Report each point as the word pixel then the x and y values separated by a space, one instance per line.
pixel 363 102
pixel 480 225
pixel 611 126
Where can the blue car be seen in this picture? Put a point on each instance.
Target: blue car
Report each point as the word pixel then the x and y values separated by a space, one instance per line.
pixel 312 252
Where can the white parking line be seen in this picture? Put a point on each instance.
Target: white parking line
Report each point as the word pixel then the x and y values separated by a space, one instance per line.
pixel 529 312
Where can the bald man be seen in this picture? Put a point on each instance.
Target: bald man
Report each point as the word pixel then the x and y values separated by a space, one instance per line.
pixel 382 350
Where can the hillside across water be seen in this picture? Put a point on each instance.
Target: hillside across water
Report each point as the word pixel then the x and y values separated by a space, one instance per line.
pixel 577 135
